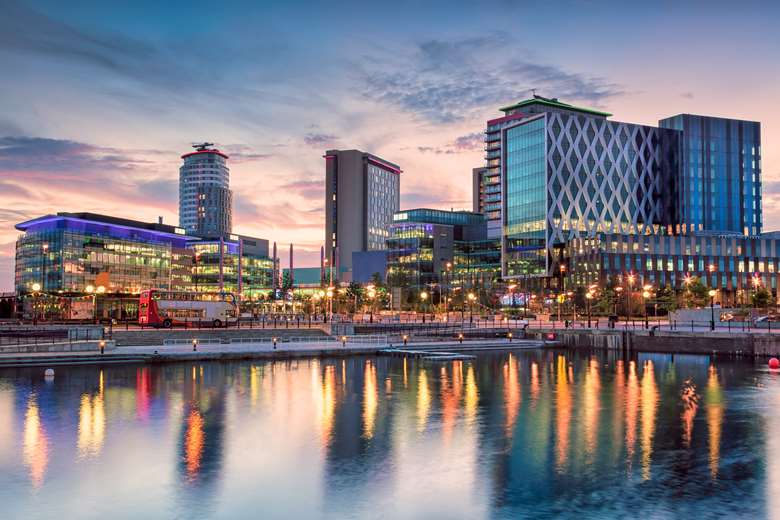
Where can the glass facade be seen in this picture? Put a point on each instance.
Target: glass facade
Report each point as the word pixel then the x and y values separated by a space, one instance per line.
pixel 410 255
pixel 68 254
pixel 719 180
pixel 525 186
pixel 383 200
pixel 732 264
pixel 215 272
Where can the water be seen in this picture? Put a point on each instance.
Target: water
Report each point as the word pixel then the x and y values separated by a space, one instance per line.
pixel 523 435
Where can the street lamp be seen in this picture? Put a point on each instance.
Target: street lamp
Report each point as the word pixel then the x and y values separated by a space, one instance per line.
pixel 471 297
pixel 423 298
pixel 645 295
pixel 588 298
pixel 371 296
pixel 712 294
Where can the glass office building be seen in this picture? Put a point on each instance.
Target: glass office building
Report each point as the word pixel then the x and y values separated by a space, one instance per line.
pixel 68 252
pixel 569 172
pixel 719 179
pixel 732 264
pixel 233 265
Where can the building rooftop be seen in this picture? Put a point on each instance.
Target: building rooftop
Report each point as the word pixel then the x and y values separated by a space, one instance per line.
pixel 554 103
pixel 164 229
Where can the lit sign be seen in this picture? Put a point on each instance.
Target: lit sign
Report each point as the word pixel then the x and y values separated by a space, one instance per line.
pixel 233 237
pixel 400 216
pixel 180 231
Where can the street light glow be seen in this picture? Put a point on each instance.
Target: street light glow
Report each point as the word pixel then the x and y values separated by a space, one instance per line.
pixel 36 287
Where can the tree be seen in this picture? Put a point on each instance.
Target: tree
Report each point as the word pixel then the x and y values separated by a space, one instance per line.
pixel 761 298
pixel 355 295
pixel 695 293
pixel 666 299
pixel 286 282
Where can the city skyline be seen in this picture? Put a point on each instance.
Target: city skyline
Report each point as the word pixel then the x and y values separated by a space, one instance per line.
pixel 132 93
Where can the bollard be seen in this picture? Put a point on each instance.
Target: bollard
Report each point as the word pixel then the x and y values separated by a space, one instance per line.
pixel 275 339
pixel 509 335
pixel 194 344
pixel 102 345
pixel 343 341
pixel 460 337
pixel 406 338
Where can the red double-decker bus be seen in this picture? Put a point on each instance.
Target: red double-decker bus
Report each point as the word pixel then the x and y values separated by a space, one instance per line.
pixel 161 308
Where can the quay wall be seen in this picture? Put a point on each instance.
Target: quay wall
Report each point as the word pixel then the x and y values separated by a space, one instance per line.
pixel 756 344
pixel 125 338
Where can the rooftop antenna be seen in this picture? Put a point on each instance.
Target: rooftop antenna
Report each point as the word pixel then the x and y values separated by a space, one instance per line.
pixel 202 147
pixel 533 91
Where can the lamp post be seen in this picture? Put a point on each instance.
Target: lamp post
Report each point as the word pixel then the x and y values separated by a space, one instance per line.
pixel 712 294
pixel 36 288
pixel 471 297
pixel 588 298
pixel 423 298
pixel 448 273
pixel 562 291
pixel 645 295
pixel 631 279
pixel 371 296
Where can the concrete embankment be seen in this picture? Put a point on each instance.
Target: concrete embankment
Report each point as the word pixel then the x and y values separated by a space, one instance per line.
pixel 152 337
pixel 726 343
pixel 240 352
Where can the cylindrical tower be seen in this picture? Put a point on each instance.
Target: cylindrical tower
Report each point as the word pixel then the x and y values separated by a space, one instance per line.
pixel 205 199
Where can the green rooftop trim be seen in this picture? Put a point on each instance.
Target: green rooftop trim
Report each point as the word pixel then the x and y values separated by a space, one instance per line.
pixel 538 100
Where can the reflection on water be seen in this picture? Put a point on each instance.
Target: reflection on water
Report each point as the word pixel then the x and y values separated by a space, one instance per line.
pixel 529 434
pixel 36 443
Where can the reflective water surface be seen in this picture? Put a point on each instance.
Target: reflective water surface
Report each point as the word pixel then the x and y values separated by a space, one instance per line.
pixel 522 435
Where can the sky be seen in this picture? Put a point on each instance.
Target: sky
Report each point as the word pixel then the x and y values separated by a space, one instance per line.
pixel 98 100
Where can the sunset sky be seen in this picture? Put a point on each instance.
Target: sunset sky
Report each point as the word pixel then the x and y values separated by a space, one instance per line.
pixel 98 99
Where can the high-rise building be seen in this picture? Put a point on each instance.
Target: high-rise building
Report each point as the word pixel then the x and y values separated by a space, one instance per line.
pixel 205 199
pixel 487 197
pixel 569 172
pixel 362 191
pixel 719 181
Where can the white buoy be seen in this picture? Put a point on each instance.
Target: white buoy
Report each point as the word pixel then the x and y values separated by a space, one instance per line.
pixel 49 372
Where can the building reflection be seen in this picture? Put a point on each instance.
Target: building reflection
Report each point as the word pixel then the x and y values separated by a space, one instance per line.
pixel 423 400
pixel 591 406
pixel 370 398
pixel 202 432
pixel 92 421
pixel 35 448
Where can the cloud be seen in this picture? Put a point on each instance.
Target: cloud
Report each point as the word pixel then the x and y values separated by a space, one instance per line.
pixel 241 153
pixel 446 81
pixel 687 95
pixel 308 189
pixel 465 143
pixel 319 140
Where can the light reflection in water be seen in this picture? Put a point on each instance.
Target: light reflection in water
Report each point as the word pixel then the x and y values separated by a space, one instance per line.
pixel 92 425
pixel 370 399
pixel 328 396
pixel 690 403
pixel 423 400
pixel 194 442
pixel 649 407
pixel 632 412
pixel 36 443
pixel 592 405
pixel 534 382
pixel 512 394
pixel 236 436
pixel 562 414
pixel 472 394
pixel 714 402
